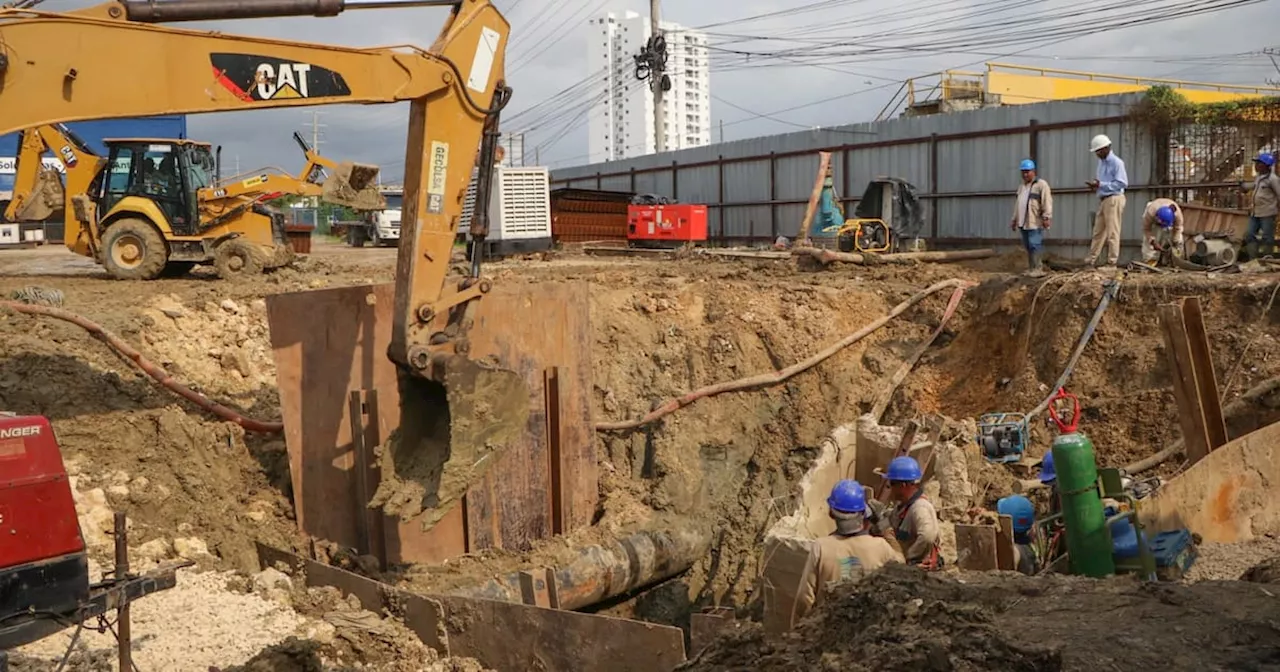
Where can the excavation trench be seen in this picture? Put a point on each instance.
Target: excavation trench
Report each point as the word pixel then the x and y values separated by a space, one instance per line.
pixel 716 482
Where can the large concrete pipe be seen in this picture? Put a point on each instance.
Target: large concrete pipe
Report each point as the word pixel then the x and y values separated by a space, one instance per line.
pixel 602 571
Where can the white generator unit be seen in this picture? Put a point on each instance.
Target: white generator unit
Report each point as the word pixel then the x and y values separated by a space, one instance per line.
pixel 519 211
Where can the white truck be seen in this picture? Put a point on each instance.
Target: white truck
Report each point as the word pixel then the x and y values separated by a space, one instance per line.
pixel 379 227
pixel 519 212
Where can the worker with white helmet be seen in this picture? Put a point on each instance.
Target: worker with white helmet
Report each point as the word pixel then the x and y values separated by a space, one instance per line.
pixel 851 550
pixel 1263 206
pixel 1032 215
pixel 1109 184
pixel 1161 230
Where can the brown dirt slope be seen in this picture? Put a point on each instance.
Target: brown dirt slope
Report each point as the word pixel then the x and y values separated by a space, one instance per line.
pixel 903 619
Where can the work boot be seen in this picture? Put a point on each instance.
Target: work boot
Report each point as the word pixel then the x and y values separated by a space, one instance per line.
pixel 1037 265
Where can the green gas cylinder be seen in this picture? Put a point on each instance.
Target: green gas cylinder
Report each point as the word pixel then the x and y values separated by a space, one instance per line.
pixel 1088 540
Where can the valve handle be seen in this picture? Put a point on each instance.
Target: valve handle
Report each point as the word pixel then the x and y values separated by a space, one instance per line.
pixel 1065 426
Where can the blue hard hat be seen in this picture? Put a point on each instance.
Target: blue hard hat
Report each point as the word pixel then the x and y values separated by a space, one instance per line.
pixel 1027 164
pixel 1020 509
pixel 1047 472
pixel 847 497
pixel 904 469
pixel 1266 159
pixel 1165 215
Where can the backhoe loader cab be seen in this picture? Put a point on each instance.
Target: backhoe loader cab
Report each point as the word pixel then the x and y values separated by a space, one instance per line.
pixel 166 171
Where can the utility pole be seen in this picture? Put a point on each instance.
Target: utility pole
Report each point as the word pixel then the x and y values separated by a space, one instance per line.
pixel 656 80
pixel 315 146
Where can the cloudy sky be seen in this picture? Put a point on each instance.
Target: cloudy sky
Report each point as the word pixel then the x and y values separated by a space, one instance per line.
pixel 852 54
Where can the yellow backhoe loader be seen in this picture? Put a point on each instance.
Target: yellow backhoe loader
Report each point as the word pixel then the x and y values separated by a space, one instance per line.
pixel 158 206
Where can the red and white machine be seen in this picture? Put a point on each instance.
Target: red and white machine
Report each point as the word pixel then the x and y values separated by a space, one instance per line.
pixel 670 225
pixel 44 567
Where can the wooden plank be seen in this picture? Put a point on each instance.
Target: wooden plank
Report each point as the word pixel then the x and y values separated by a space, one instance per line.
pixel 554 331
pixel 505 636
pixel 355 414
pixel 976 547
pixel 579 468
pixel 367 468
pixel 1005 557
pixel 328 342
pixel 1202 359
pixel 787 566
pixel 553 590
pixel 1185 390
pixel 704 627
pixel 514 638
pixel 555 449
pixel 533 588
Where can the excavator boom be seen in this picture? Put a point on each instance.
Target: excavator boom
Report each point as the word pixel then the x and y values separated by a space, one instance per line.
pixel 455 90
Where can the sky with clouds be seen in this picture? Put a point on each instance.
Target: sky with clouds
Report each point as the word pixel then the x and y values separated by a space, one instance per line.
pixel 549 37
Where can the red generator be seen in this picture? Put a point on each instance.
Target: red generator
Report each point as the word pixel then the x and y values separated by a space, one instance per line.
pixel 666 225
pixel 44 570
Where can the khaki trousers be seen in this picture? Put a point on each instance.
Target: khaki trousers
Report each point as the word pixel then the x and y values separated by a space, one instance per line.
pixel 1106 229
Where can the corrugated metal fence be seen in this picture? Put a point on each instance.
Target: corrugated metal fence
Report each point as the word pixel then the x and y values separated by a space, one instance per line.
pixel 964 165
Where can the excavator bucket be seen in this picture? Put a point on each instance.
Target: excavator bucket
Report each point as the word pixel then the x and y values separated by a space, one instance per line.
pixel 354 185
pixel 497 454
pixel 46 197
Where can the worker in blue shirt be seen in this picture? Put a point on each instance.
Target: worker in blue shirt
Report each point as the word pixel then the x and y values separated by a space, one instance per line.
pixel 1109 184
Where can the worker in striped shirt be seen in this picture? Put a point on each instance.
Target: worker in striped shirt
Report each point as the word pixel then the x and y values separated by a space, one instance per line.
pixel 1109 184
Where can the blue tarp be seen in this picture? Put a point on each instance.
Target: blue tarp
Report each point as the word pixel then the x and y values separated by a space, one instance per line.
pixel 94 132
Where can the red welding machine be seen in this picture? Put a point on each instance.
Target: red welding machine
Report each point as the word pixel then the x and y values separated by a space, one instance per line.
pixel 44 569
pixel 666 225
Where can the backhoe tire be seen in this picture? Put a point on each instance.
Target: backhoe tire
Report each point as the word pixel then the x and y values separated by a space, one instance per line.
pixel 238 258
pixel 134 250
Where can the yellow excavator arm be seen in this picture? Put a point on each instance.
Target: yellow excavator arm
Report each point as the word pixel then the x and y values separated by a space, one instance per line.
pixel 113 60
pixel 38 190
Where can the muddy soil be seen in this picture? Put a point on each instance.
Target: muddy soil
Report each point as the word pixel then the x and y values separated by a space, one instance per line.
pixel 661 328
pixel 903 619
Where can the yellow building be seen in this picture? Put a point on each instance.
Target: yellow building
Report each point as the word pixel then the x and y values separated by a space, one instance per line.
pixel 1004 84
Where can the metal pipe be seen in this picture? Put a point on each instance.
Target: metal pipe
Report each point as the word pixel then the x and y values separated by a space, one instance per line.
pixel 174 11
pixel 124 650
pixel 613 568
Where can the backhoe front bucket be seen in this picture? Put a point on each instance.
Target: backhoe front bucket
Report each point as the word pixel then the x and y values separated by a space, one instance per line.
pixel 500 453
pixel 354 185
pixel 46 197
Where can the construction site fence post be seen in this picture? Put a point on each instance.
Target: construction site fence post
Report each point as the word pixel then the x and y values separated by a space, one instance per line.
pixel 773 196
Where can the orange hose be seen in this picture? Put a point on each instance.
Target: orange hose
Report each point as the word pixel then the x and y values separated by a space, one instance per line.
pixel 134 357
pixel 782 375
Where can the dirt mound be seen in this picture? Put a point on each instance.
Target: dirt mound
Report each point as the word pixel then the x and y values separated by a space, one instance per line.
pixel 222 348
pixel 903 619
pixel 896 619
pixel 1267 571
pixel 174 470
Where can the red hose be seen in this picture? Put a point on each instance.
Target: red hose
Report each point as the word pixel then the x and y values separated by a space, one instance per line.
pixel 134 357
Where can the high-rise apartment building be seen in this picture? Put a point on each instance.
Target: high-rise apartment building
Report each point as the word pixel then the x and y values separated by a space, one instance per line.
pixel 621 115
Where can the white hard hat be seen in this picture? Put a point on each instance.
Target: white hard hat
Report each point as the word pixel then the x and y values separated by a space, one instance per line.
pixel 1098 142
